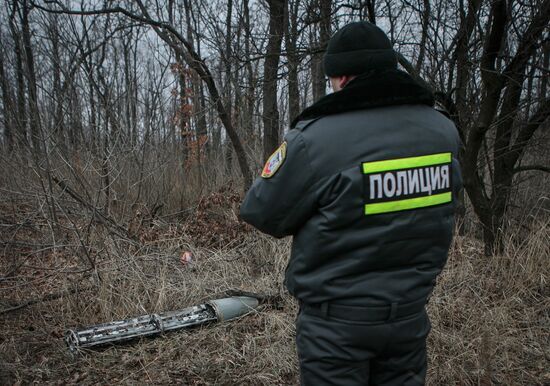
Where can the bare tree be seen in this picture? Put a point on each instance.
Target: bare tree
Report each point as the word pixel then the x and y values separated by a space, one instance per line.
pixel 502 79
pixel 319 17
pixel 277 22
pixel 7 104
pixel 94 80
pixel 34 112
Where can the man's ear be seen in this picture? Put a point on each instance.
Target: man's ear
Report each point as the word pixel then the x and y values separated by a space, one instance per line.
pixel 339 82
pixel 344 79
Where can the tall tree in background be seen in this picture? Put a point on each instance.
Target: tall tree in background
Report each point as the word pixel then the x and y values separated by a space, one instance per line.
pixel 277 23
pixel 320 37
pixel 293 59
pixel 32 89
pixel 7 103
pixel 20 112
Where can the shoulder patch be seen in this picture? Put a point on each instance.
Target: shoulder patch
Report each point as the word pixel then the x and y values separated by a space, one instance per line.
pixel 274 162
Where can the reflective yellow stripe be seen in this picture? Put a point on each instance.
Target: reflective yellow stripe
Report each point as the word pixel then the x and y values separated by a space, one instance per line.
pixel 406 163
pixel 410 203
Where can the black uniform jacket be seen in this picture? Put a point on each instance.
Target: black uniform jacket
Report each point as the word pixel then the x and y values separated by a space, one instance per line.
pixel 366 182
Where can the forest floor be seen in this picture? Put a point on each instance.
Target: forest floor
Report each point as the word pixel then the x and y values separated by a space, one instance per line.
pixel 490 315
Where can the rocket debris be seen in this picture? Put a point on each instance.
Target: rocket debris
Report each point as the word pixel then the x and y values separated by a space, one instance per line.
pixel 219 310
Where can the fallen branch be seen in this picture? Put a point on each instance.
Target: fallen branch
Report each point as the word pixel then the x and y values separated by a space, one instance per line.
pixel 45 298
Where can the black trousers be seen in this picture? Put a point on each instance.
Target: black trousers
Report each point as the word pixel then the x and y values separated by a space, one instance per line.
pixel 333 351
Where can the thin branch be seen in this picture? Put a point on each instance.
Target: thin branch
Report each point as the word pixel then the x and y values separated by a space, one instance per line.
pixel 45 298
pixel 527 168
pixel 409 67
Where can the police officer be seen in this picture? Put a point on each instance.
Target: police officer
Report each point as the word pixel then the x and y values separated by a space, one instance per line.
pixel 366 182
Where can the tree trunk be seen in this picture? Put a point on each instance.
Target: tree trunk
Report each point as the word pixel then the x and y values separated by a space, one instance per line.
pixel 7 104
pixel 20 113
pixel 371 12
pixel 227 89
pixel 58 118
pixel 248 108
pixel 271 66
pixel 426 12
pixel 34 113
pixel 320 43
pixel 291 37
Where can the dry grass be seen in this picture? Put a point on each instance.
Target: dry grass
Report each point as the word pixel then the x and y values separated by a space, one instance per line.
pixel 490 316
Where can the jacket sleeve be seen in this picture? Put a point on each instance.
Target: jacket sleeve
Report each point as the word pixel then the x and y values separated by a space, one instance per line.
pixel 279 205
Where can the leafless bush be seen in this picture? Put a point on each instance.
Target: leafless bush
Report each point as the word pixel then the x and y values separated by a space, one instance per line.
pixel 489 314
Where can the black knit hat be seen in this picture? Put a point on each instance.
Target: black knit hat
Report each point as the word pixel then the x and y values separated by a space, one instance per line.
pixel 357 48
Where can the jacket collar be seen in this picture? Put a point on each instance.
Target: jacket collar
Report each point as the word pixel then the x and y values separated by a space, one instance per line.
pixel 375 88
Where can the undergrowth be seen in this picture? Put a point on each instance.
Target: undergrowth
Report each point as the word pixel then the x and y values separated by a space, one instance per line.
pixel 490 315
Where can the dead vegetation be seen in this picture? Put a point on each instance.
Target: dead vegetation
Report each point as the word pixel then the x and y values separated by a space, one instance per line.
pixel 111 256
pixel 124 144
pixel 489 314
